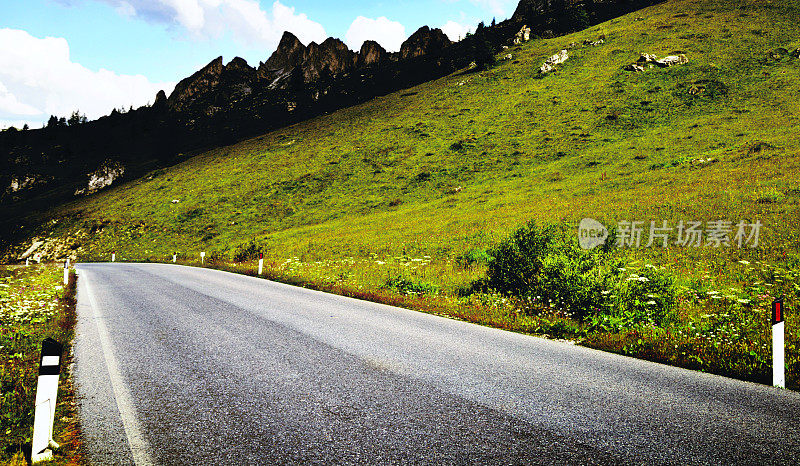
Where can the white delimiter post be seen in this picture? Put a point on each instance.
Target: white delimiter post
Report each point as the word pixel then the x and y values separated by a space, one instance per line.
pixel 113 257
pixel 46 393
pixel 66 272
pixel 174 257
pixel 202 257
pixel 260 262
pixel 778 362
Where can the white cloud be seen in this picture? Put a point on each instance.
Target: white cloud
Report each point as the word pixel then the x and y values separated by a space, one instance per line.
pixel 390 34
pixel 38 79
pixel 285 19
pixel 455 31
pixel 496 7
pixel 11 105
pixel 244 19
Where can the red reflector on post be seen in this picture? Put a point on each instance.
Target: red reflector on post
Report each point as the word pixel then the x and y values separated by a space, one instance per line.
pixel 777 311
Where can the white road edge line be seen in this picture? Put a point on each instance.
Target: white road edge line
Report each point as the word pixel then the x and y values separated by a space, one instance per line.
pixel 140 449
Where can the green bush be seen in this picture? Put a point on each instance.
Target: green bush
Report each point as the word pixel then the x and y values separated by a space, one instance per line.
pixel 247 252
pixel 407 285
pixel 474 256
pixel 546 266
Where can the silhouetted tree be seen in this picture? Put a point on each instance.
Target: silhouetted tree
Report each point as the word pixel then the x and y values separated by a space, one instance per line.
pixel 76 119
pixel 482 52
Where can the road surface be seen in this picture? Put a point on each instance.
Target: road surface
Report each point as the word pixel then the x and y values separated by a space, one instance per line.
pixel 181 365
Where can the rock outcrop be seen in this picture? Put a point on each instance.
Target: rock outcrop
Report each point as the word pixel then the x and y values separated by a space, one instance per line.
pixel 524 35
pixel 200 83
pixel 650 60
pixel 161 101
pixel 557 59
pixel 371 54
pixel 672 60
pixel 327 60
pixel 104 176
pixel 531 8
pixel 423 42
pixel 278 68
pixel 27 181
pixel 236 80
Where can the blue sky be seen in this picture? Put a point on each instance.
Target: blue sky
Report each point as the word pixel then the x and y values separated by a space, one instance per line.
pixel 57 56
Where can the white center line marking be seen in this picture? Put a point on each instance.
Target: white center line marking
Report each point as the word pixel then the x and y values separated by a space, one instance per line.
pixel 133 430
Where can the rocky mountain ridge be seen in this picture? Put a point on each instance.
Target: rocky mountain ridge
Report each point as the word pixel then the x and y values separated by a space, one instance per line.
pixel 294 65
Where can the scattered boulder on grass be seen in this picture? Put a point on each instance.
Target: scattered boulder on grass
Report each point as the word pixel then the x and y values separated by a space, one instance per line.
pixel 646 58
pixel 595 43
pixel 672 60
pixel 650 60
pixel 551 63
pixel 634 67
pixel 508 57
pixel 524 35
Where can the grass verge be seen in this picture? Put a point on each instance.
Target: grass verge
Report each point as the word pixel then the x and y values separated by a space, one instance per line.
pixel 35 305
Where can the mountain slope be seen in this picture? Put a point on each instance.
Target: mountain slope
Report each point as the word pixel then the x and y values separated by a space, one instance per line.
pixel 223 103
pixel 474 154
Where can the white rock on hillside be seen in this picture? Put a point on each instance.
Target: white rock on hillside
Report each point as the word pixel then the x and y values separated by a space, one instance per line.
pixel 557 59
pixel 672 60
pixel 524 35
pixel 102 177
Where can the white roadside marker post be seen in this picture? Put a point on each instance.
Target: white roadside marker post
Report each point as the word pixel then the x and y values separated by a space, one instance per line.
pixel 778 373
pixel 66 272
pixel 260 262
pixel 113 257
pixel 202 258
pixel 174 257
pixel 46 393
pixel 26 262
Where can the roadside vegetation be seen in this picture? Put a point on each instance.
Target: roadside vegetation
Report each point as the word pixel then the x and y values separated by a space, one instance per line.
pixel 35 305
pixel 423 198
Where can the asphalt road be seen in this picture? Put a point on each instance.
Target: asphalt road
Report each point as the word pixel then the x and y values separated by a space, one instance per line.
pixel 180 365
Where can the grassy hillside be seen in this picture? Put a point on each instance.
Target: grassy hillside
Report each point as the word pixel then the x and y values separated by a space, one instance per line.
pixel 414 186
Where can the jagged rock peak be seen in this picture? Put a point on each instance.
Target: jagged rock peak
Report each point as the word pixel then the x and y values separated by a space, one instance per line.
pixel 237 72
pixel 424 41
pixel 161 99
pixel 288 55
pixel 238 64
pixel 371 53
pixel 330 58
pixel 197 84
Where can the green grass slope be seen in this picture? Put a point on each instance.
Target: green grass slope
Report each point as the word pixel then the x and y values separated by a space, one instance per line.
pixel 406 184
